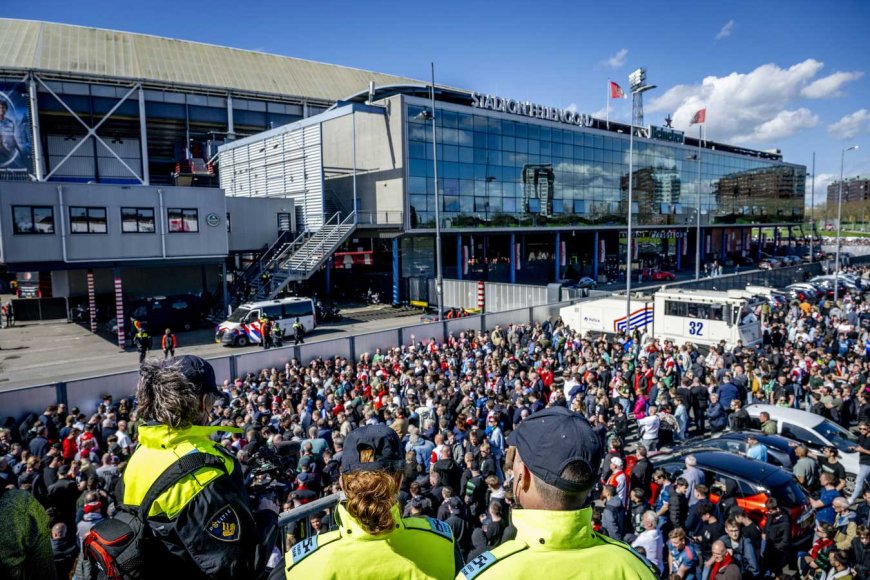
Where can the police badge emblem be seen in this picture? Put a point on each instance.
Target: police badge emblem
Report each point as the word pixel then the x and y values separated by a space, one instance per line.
pixel 225 525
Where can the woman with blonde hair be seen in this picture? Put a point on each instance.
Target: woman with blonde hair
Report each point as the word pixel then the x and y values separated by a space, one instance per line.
pixel 372 539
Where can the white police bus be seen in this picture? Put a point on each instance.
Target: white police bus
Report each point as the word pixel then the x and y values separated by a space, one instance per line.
pixel 706 317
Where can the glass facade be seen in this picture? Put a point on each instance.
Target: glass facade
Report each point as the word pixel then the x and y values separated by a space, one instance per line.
pixel 503 171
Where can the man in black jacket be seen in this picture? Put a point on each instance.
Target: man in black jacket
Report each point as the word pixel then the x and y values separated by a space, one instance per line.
pixel 678 505
pixel 641 474
pixel 776 534
pixel 859 552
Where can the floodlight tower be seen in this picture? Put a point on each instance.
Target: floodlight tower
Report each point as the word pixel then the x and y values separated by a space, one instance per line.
pixel 637 83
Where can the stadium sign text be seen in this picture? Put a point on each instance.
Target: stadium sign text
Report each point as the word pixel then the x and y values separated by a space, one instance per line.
pixel 532 110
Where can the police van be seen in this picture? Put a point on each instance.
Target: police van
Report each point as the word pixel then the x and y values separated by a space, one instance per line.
pixel 243 326
pixel 707 317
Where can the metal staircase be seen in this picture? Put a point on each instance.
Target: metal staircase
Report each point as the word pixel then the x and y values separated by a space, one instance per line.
pixel 299 259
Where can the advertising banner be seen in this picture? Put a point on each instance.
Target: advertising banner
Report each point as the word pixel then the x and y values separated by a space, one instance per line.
pixel 16 147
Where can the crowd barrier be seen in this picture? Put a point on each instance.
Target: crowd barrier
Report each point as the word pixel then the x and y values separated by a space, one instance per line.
pixel 86 393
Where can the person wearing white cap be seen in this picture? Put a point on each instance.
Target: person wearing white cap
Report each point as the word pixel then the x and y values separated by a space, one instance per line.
pixel 617 478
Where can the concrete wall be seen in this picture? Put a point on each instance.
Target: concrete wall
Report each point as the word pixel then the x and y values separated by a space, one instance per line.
pixel 379 163
pixel 113 245
pixel 254 221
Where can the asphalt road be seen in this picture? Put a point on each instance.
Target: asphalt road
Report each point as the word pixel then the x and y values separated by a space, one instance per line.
pixel 33 353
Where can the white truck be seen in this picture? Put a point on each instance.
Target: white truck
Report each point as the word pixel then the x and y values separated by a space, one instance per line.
pixel 607 315
pixel 703 317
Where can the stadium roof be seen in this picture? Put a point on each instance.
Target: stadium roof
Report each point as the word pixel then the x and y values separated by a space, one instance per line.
pixel 90 53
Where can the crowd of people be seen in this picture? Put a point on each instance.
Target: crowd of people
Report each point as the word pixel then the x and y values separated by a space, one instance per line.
pixel 453 404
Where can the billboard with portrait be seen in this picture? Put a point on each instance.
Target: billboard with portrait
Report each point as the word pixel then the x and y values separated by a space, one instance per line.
pixel 16 147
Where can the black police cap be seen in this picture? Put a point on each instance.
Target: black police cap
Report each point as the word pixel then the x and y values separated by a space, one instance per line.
pixel 196 370
pixel 551 439
pixel 382 440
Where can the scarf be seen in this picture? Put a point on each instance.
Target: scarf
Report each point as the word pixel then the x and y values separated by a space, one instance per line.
pixel 726 560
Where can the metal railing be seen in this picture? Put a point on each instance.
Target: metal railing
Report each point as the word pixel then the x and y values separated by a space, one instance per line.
pixel 303 514
pixel 308 258
pixel 380 218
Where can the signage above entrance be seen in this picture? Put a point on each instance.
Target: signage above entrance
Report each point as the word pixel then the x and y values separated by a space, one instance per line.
pixel 528 109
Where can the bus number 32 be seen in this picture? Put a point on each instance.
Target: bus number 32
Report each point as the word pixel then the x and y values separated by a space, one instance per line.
pixel 696 328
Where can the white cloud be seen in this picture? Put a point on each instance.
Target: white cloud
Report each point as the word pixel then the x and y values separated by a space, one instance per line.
pixel 572 107
pixel 829 86
pixel 726 30
pixel 822 180
pixel 784 124
pixel 851 125
pixel 618 59
pixel 755 107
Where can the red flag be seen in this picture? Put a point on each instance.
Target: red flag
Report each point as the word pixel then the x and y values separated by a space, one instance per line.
pixel 699 117
pixel 616 91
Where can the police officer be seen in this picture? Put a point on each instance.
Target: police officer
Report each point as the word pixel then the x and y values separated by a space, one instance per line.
pixel 203 521
pixel 277 335
pixel 556 459
pixel 298 332
pixel 372 539
pixel 142 341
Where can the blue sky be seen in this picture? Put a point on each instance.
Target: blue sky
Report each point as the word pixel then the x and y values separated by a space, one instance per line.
pixel 793 75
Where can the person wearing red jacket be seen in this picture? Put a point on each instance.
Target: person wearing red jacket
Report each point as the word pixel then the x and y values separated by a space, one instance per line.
pixel 168 344
pixel 70 447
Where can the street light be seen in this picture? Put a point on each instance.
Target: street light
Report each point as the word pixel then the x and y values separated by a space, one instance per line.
pixel 697 157
pixel 638 86
pixel 439 280
pixel 813 210
pixel 839 219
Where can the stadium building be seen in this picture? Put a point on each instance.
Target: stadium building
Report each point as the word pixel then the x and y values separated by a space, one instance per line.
pixel 136 156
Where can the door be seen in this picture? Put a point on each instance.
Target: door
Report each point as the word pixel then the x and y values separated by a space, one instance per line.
pixel 285 223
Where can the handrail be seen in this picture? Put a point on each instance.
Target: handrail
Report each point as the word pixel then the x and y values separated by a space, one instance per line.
pixel 305 511
pixel 297 243
pixel 306 258
pixel 258 265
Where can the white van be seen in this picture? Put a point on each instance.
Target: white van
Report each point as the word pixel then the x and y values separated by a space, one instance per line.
pixel 243 325
pixel 815 432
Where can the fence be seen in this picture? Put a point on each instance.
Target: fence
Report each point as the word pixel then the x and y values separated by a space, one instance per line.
pixel 86 393
pixel 498 296
pixel 776 278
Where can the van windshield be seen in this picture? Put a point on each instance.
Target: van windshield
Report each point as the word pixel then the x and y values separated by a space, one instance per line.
pixel 239 315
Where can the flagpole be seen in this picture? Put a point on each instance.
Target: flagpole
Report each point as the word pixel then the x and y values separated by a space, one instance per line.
pixel 698 226
pixel 607 104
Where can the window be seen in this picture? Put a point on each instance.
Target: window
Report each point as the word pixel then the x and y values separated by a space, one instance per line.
pixel 32 219
pixel 88 220
pixel 294 309
pixel 183 220
pixel 137 220
pixel 284 222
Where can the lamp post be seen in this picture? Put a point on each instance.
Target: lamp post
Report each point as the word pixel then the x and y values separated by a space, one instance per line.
pixel 439 280
pixel 839 220
pixel 637 81
pixel 813 210
pixel 697 158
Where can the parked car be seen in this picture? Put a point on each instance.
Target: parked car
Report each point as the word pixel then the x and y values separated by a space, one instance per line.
pixel 770 263
pixel 780 450
pixel 155 313
pixel 585 282
pixel 756 483
pixel 662 276
pixel 802 293
pixel 816 432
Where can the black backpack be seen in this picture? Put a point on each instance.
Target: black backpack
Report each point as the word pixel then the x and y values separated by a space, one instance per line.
pixel 117 548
